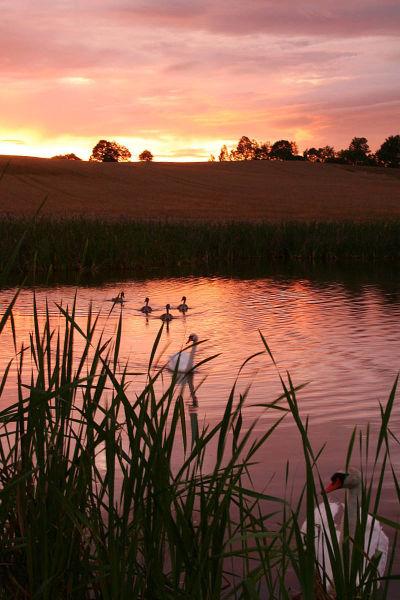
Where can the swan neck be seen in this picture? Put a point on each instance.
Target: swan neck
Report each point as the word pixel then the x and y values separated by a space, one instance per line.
pixel 352 509
pixel 191 356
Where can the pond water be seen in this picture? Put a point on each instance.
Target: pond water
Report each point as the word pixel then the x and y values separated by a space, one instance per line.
pixel 342 339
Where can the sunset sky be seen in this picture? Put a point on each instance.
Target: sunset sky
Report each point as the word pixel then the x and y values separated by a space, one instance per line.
pixel 183 77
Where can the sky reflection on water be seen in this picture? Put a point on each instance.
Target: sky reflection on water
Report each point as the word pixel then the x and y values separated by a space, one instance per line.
pixel 344 343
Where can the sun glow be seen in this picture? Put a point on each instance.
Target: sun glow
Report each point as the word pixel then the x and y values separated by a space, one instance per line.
pixel 31 144
pixel 76 80
pixel 163 148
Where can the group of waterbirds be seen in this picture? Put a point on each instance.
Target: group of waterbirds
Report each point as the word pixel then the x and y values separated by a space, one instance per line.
pixel 181 361
pixel 183 307
pixel 375 541
pixel 167 316
pixel 146 309
pixel 375 538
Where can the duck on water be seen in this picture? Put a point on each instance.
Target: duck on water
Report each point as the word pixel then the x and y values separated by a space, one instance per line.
pixel 167 315
pixel 146 308
pixel 183 307
pixel 120 298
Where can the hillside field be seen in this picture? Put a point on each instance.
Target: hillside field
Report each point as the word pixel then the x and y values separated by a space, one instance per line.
pixel 227 191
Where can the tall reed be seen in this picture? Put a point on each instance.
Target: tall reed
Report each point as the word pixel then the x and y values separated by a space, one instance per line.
pixel 91 503
pixel 354 570
pixel 137 247
pixel 106 497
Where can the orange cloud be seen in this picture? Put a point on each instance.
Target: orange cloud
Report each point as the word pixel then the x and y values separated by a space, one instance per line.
pixel 195 73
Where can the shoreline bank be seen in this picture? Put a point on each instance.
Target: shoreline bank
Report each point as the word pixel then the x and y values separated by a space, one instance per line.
pixel 63 246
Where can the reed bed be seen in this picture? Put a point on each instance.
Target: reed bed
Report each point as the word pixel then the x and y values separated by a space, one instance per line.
pixel 136 247
pixel 96 503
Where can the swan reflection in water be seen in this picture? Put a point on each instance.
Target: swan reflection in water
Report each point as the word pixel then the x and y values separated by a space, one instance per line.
pixel 193 405
pixel 190 382
pixel 182 364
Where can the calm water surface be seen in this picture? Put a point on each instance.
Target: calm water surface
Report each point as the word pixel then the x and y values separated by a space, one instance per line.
pixel 344 342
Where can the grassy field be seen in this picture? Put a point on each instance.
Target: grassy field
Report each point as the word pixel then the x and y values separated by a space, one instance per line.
pixel 137 219
pixel 230 191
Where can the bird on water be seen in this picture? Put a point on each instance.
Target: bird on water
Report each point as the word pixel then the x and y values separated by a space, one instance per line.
pixel 120 298
pixel 183 307
pixel 146 308
pixel 182 362
pixel 167 315
pixel 376 542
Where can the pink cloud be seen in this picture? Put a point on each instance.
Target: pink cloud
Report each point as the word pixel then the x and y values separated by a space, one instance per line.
pixel 202 69
pixel 235 17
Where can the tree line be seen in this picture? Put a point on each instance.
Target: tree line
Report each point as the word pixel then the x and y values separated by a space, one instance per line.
pixel 358 152
pixel 106 151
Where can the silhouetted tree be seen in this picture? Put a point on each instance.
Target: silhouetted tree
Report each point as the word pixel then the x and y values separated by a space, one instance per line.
pixel 105 151
pixel 212 158
pixel 344 156
pixel 311 154
pixel 340 158
pixel 245 150
pixel 326 153
pixel 319 155
pixel 389 152
pixel 223 155
pixel 146 156
pixel 283 150
pixel 262 151
pixel 295 148
pixel 70 156
pixel 357 152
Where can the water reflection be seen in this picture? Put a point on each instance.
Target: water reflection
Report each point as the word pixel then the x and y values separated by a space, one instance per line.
pixel 192 405
pixel 341 338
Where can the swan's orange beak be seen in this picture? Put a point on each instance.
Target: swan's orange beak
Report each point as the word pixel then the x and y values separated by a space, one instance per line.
pixel 334 485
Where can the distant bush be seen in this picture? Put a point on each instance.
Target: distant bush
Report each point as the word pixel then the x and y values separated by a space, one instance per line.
pixel 146 156
pixel 70 156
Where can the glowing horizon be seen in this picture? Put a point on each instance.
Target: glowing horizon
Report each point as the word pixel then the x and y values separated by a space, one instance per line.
pixel 182 79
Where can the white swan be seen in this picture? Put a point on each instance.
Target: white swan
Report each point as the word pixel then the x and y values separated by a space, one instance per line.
pixel 119 298
pixel 375 539
pixel 182 362
pixel 146 308
pixel 183 307
pixel 167 315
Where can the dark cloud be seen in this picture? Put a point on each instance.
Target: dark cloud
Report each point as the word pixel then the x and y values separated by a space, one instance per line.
pixel 283 17
pixel 178 36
